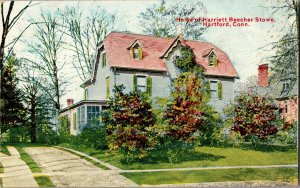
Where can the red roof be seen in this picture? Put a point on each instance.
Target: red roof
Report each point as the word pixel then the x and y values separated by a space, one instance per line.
pixel 116 44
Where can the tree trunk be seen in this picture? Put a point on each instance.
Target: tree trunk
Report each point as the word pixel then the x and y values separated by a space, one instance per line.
pixel 33 123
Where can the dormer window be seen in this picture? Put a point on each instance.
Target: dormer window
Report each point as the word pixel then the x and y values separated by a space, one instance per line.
pixel 212 59
pixel 136 51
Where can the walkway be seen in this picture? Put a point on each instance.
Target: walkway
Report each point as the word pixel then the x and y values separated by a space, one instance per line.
pixel 16 172
pixel 68 170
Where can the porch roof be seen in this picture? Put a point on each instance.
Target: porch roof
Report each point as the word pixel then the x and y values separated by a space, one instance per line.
pixel 83 102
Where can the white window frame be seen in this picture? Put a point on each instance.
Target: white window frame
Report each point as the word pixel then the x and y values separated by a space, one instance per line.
pixel 136 53
pixel 138 86
pixel 212 89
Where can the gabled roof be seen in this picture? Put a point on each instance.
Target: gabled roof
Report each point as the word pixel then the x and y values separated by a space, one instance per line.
pixel 116 48
pixel 155 48
pixel 136 41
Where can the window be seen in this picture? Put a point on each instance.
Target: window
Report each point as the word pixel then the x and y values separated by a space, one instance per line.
pixel 103 60
pixel 214 89
pixel 212 60
pixel 107 87
pixel 286 108
pixel 81 117
pixel 141 83
pixel 93 115
pixel 135 53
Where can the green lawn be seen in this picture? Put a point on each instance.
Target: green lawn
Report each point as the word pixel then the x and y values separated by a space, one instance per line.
pixel 198 176
pixel 4 150
pixel 44 181
pixel 28 160
pixel 203 157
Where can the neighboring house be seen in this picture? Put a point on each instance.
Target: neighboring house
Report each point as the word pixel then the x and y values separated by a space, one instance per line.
pixel 146 64
pixel 284 91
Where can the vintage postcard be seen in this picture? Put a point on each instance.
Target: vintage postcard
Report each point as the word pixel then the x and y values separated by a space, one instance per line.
pixel 158 93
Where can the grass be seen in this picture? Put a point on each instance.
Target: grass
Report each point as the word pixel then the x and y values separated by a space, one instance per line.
pixel 1 168
pixel 4 150
pixel 1 184
pixel 203 157
pixel 44 181
pixel 28 160
pixel 220 175
pixel 86 158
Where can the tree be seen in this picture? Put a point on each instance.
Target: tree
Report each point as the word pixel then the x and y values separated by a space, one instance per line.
pixel 160 19
pixel 11 94
pixel 32 98
pixel 255 117
pixel 86 33
pixel 184 114
pixel 46 48
pixel 36 101
pixel 128 122
pixel 284 63
pixel 8 22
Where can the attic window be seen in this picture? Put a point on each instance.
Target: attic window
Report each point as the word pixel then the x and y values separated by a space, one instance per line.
pixel 137 52
pixel 212 59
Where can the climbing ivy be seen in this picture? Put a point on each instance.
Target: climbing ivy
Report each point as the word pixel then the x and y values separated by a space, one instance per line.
pixel 186 62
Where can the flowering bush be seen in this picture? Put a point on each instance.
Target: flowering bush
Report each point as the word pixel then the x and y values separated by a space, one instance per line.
pixel 184 115
pixel 255 116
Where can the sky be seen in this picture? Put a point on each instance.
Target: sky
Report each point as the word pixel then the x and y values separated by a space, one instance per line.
pixel 240 43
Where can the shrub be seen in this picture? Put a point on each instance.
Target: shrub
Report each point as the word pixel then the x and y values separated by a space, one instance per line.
pixel 46 135
pixel 255 117
pixel 94 136
pixel 128 122
pixel 212 132
pixel 17 134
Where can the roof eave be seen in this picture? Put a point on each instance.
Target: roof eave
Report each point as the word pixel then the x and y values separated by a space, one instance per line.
pixel 144 69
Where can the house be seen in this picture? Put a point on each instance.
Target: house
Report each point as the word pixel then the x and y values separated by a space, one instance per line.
pixel 146 63
pixel 283 90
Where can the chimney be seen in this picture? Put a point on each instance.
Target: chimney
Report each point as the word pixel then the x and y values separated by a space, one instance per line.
pixel 70 102
pixel 263 75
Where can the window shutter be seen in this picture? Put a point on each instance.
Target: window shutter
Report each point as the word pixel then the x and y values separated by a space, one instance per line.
pixel 131 52
pixel 220 90
pixel 134 83
pixel 149 85
pixel 84 94
pixel 107 88
pixel 208 88
pixel 215 60
pixel 103 60
pixel 140 53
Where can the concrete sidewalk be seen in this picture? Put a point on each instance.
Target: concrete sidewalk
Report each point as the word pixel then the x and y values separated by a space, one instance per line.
pixel 16 172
